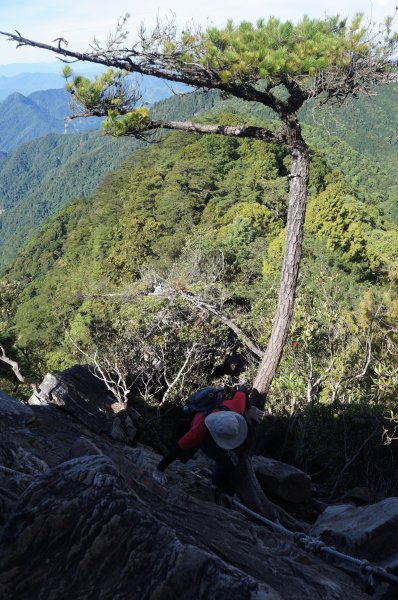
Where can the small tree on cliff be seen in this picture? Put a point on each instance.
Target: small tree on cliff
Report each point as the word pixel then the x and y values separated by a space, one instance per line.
pixel 279 65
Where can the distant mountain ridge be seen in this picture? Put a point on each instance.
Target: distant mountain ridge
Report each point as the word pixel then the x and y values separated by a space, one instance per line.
pixel 25 118
pixel 27 78
pixel 26 83
pixel 18 68
pixel 41 176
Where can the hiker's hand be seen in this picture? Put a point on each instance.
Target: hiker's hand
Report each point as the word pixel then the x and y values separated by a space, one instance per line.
pixel 254 415
pixel 160 477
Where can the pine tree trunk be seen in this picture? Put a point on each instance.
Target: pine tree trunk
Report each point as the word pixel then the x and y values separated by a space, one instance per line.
pixel 245 481
pixel 298 186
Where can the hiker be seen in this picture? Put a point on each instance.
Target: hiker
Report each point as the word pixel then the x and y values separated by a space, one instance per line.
pixel 219 433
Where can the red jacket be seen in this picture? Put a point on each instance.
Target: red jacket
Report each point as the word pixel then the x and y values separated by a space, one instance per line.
pixel 198 430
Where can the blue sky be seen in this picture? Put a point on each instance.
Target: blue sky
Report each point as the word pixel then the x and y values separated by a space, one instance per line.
pixel 79 21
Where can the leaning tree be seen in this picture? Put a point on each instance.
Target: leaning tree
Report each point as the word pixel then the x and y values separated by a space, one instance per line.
pixel 278 65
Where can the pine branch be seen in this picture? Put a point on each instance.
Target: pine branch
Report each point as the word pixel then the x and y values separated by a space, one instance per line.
pixel 241 131
pixel 158 65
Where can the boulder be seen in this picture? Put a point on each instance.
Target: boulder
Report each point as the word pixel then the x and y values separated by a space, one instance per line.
pixel 369 532
pixel 281 480
pixel 12 484
pixel 360 496
pixel 80 393
pixel 82 530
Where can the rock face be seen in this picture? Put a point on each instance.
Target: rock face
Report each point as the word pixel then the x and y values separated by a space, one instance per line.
pixel 80 393
pixel 82 518
pixel 13 412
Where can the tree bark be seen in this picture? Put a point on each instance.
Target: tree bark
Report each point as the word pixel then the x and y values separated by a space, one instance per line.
pixel 298 189
pixel 246 481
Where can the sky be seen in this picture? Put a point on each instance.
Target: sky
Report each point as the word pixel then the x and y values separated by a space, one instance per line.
pixel 80 21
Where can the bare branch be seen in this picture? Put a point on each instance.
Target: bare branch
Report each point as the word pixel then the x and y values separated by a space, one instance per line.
pixel 170 292
pixel 159 64
pixel 246 341
pixel 16 369
pixel 110 374
pixel 180 373
pixel 311 386
pixel 241 131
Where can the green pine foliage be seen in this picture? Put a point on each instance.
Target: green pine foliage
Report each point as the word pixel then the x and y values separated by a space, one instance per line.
pixel 270 50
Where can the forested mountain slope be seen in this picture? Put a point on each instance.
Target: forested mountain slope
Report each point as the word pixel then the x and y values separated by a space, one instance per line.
pixel 40 177
pixel 368 125
pixel 193 194
pixel 27 83
pixel 359 140
pixel 346 139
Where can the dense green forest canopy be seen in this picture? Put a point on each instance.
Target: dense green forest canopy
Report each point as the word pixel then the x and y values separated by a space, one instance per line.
pixel 42 176
pixel 39 178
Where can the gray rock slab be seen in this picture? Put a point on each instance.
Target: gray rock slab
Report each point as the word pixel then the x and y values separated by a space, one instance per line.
pixel 87 521
pixel 369 532
pixel 81 530
pixel 14 412
pixel 80 393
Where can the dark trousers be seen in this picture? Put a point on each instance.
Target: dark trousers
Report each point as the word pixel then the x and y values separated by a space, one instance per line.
pixel 225 462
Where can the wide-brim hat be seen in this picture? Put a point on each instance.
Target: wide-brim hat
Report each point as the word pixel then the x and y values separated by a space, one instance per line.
pixel 227 428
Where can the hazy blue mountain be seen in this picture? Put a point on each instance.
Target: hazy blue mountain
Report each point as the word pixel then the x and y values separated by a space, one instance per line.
pixel 26 83
pixel 27 78
pixel 14 69
pixel 25 118
pixel 40 177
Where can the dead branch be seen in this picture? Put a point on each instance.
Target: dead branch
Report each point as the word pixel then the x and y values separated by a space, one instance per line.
pixel 311 386
pixel 110 374
pixel 148 58
pixel 16 369
pixel 180 373
pixel 246 341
